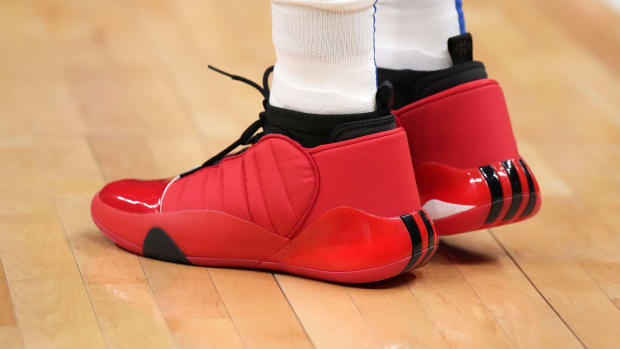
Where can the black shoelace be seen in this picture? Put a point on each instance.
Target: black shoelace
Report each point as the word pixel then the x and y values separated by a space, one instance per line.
pixel 249 136
pixel 384 99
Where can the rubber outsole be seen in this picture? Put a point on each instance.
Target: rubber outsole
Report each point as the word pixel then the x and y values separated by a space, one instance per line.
pixel 415 228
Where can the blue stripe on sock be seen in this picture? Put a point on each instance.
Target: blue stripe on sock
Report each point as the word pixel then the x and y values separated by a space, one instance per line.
pixel 459 9
pixel 374 40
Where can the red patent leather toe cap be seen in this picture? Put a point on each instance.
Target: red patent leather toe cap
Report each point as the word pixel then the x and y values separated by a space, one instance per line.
pixel 135 196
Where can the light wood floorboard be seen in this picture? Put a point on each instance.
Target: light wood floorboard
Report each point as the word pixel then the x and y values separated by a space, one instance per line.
pixel 92 92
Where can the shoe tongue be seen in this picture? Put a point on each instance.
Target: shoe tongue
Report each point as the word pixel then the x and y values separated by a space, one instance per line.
pixel 461 48
pixel 311 130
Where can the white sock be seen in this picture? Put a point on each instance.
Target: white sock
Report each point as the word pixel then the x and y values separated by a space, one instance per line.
pixel 413 34
pixel 325 56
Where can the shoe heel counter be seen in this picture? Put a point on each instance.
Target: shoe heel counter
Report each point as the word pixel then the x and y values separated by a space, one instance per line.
pixel 372 173
pixel 462 200
pixel 465 126
pixel 358 247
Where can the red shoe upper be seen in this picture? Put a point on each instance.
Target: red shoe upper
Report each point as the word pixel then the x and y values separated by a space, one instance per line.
pixel 347 211
pixel 282 187
pixel 135 195
pixel 468 168
pixel 466 126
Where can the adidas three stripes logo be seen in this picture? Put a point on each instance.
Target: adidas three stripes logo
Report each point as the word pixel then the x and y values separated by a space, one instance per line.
pixel 510 174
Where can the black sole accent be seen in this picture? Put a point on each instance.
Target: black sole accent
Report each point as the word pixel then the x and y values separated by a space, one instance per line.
pixel 497 195
pixel 530 183
pixel 517 191
pixel 159 245
pixel 430 236
pixel 416 239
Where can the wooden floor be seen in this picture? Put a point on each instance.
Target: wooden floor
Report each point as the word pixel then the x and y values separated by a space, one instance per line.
pixel 93 91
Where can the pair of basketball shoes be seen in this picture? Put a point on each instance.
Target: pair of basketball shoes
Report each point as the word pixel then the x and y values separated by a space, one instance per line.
pixel 345 198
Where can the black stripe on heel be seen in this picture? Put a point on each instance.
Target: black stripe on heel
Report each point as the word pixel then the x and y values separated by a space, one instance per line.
pixel 430 237
pixel 517 191
pixel 497 195
pixel 416 239
pixel 532 190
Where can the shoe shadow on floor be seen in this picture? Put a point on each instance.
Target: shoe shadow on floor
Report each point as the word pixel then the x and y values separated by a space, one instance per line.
pixel 455 254
pixel 395 282
pixel 447 254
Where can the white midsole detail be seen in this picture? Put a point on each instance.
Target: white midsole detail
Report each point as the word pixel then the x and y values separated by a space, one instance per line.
pixel 438 209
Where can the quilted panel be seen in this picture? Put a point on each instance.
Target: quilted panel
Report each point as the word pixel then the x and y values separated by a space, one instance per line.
pixel 272 184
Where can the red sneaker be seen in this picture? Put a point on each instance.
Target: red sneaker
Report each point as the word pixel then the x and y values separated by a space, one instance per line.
pixel 469 172
pixel 345 211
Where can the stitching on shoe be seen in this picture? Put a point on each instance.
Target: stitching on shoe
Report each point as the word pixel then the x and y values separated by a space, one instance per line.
pixel 286 192
pixel 262 191
pixel 315 172
pixel 315 175
pixel 247 196
pixel 222 188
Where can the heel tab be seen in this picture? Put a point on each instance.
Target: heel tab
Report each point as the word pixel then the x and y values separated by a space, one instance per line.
pixel 461 48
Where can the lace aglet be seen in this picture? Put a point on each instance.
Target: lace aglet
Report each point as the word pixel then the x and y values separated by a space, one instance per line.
pixel 221 71
pixel 239 78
